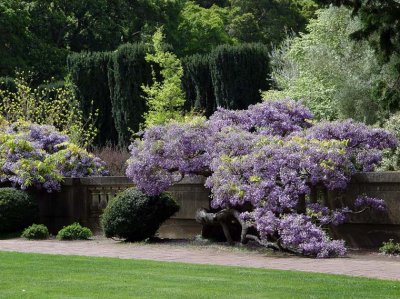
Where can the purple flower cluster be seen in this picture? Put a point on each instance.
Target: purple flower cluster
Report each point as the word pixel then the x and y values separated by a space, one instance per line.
pixel 166 154
pixel 38 156
pixel 364 144
pixel 266 158
pixel 299 233
pixel 272 118
pixel 370 202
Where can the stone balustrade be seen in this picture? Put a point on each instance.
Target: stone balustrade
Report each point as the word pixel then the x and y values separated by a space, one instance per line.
pixel 83 200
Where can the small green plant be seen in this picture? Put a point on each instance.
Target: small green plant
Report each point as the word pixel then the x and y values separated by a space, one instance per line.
pixel 36 232
pixel 17 210
pixel 390 247
pixel 74 232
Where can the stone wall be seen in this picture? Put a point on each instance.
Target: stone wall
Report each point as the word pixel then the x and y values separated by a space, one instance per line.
pixel 84 199
pixel 370 229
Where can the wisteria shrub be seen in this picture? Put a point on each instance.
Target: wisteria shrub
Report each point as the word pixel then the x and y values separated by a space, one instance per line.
pixel 263 162
pixel 39 156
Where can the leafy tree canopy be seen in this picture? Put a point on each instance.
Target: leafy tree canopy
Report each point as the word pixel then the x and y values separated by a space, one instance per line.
pixel 380 18
pixel 38 35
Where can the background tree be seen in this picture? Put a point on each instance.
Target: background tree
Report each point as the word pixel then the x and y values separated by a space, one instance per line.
pixel 380 18
pixel 336 76
pixel 202 29
pixel 165 99
pixel 268 21
pixel 381 27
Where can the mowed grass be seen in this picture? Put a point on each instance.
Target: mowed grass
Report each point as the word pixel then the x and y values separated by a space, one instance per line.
pixel 54 276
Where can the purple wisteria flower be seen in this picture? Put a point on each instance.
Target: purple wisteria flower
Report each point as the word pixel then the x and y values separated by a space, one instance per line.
pixel 371 202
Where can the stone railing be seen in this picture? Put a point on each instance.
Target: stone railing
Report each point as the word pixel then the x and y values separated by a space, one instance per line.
pixel 84 199
pixel 371 228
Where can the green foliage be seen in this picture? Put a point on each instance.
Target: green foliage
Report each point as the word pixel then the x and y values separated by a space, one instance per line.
pixel 74 232
pixel 89 77
pixel 7 84
pixel 14 36
pixel 165 98
pixel 134 216
pixel 36 232
pixel 335 76
pixel 53 105
pixel 128 71
pixel 238 74
pixel 390 248
pixel 38 35
pixel 267 21
pixel 380 23
pixel 230 77
pixel 391 160
pixel 202 29
pixel 198 84
pixel 17 210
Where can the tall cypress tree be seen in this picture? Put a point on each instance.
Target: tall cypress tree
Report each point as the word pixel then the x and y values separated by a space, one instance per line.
pixel 238 74
pixel 89 75
pixel 198 85
pixel 128 71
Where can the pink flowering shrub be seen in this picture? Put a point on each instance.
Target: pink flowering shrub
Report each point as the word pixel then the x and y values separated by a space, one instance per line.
pixel 266 157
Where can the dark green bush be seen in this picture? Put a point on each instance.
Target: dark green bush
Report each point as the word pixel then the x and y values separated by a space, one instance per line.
pixel 128 70
pixel 238 74
pixel 134 216
pixel 35 232
pixel 89 75
pixel 197 84
pixel 74 232
pixel 8 84
pixel 390 248
pixel 17 210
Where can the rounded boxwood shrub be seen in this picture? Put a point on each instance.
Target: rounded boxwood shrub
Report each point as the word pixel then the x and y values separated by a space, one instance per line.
pixel 134 216
pixel 17 210
pixel 36 232
pixel 74 232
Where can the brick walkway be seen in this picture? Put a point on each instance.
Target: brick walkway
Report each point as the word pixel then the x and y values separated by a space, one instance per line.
pixel 358 264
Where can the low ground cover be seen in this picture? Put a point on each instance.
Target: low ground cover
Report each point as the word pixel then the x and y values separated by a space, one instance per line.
pixel 51 276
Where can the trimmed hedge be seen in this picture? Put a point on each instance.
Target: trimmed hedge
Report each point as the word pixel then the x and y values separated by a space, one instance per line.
pixel 89 74
pixel 238 74
pixel 134 216
pixel 127 72
pixel 197 83
pixel 230 77
pixel 17 210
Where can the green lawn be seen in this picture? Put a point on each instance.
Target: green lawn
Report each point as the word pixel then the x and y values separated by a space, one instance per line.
pixel 54 276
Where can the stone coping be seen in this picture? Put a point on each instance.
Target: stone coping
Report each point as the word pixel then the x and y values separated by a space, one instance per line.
pixel 377 177
pixel 122 180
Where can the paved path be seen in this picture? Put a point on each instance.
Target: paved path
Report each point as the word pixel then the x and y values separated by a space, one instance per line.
pixel 359 264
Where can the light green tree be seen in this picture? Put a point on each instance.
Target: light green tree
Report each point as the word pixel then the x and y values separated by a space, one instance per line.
pixel 164 98
pixel 336 76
